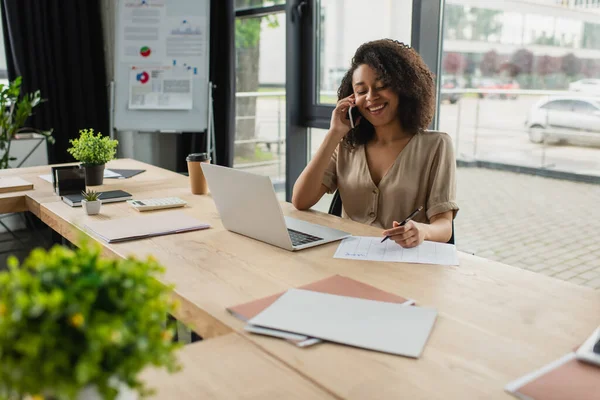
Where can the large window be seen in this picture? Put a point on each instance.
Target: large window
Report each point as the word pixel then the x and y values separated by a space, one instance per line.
pixel 3 68
pixel 502 64
pixel 260 86
pixel 520 90
pixel 343 25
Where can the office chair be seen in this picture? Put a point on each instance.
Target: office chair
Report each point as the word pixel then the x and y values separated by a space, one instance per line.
pixel 336 209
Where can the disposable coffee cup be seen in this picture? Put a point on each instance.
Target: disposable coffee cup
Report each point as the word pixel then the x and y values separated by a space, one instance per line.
pixel 197 180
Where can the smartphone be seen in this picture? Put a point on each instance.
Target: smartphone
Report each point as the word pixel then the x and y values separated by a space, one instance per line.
pixel 353 116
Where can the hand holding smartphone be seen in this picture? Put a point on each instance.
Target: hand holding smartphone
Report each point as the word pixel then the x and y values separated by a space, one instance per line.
pixel 354 117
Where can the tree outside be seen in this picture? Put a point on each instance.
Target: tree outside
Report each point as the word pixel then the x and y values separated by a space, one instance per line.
pixel 521 63
pixel 591 68
pixel 455 19
pixel 547 65
pixel 454 63
pixel 571 65
pixel 490 63
pixel 485 23
pixel 247 46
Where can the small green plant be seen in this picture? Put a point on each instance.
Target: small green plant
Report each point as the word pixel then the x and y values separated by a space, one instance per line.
pixel 91 149
pixel 15 111
pixel 71 319
pixel 90 195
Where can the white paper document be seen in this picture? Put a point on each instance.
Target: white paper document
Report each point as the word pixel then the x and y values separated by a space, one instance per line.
pixel 141 29
pixel 375 325
pixel 298 340
pixel 160 88
pixel 144 226
pixel 371 249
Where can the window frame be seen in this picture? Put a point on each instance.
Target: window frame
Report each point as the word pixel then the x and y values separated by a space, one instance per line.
pixel 259 11
pixel 590 108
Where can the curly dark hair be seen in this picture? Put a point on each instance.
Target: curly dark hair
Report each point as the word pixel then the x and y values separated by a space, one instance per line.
pixel 404 71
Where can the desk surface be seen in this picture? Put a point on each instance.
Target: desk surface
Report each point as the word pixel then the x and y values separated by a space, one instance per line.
pixel 495 322
pixel 230 367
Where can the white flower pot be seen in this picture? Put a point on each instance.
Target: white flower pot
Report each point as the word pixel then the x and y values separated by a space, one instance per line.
pixel 91 393
pixel 91 207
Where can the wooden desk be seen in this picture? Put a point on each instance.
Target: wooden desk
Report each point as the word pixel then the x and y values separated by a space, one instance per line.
pixel 230 367
pixel 495 322
pixel 44 193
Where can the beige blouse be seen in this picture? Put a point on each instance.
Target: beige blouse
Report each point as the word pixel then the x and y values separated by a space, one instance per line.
pixel 424 173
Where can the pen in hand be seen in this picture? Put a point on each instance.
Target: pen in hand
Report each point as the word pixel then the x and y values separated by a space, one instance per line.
pixel 411 216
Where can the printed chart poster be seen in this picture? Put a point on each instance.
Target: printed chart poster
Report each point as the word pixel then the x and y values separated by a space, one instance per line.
pixel 186 42
pixel 140 35
pixel 186 37
pixel 160 88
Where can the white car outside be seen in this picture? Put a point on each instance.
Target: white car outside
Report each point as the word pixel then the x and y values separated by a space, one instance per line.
pixel 591 86
pixel 565 119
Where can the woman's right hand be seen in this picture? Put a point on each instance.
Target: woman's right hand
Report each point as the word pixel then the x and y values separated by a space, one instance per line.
pixel 340 123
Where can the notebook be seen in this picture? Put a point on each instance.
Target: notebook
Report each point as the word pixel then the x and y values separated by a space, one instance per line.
pixel 374 325
pixel 109 196
pixel 144 226
pixel 564 379
pixel 335 284
pixel 14 184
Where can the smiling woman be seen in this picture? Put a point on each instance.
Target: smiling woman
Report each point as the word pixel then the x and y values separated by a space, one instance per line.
pixel 389 164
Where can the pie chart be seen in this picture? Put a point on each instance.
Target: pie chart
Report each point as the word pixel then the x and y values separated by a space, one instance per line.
pixel 143 77
pixel 145 51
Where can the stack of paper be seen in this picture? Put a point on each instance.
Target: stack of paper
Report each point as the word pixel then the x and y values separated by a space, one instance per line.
pixel 144 226
pixel 371 249
pixel 385 326
pixel 337 284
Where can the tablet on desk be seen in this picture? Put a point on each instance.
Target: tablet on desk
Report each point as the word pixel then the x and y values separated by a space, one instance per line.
pixel 110 196
pixel 68 180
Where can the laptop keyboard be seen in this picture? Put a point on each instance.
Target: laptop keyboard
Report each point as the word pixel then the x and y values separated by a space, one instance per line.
pixel 300 238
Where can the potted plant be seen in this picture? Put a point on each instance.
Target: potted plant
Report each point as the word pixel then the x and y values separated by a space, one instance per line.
pixel 93 151
pixel 91 202
pixel 15 111
pixel 76 325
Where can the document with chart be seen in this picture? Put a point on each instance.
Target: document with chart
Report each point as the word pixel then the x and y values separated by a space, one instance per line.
pixel 371 249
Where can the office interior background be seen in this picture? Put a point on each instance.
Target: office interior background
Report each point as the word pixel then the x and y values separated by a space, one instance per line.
pixel 518 87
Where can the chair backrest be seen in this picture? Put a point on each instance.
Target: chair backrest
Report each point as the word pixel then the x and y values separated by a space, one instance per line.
pixel 336 205
pixel 336 209
pixel 451 241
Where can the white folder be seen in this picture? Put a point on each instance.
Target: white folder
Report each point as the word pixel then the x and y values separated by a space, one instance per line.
pixel 375 325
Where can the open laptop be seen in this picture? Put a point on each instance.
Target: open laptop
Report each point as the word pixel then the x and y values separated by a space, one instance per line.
pixel 248 205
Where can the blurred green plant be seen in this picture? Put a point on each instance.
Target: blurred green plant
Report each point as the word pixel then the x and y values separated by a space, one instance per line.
pixel 72 319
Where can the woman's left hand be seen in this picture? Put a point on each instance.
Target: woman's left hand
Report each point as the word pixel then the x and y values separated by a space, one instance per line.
pixel 410 235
